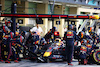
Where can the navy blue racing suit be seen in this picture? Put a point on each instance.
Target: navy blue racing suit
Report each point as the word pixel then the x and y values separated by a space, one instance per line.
pixel 69 36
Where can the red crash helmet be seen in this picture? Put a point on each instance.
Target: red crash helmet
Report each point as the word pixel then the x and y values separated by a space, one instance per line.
pixel 56 33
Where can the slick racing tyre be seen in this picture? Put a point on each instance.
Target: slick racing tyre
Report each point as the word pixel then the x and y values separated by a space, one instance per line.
pixel 96 56
pixel 47 60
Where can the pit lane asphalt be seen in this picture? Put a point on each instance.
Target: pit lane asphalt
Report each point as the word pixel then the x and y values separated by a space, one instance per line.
pixel 28 63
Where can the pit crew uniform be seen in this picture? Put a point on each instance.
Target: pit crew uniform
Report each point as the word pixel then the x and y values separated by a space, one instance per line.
pixel 69 36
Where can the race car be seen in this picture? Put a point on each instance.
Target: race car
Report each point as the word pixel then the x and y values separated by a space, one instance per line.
pixel 55 51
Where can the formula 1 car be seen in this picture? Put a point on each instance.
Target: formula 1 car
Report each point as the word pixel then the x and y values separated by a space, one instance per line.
pixel 55 51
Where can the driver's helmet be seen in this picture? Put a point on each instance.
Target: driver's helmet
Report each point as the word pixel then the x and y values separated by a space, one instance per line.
pixel 57 40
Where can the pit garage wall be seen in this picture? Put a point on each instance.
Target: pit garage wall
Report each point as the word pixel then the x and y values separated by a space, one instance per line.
pixel 43 9
pixel 47 24
pixel 73 11
pixel 61 26
pixel 2 2
pixel 23 10
pixel 40 9
pixel 28 9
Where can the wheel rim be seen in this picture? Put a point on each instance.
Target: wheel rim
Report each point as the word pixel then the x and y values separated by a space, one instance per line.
pixel 96 56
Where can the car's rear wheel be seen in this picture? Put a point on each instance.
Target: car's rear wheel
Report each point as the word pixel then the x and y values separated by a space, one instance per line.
pixel 96 56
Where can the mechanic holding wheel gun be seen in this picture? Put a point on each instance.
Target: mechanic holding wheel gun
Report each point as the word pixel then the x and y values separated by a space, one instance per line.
pixel 70 37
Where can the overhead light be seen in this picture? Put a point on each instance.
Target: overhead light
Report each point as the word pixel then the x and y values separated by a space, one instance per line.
pixel 38 1
pixel 71 5
pixel 29 0
pixel 86 7
pixel 56 3
pixel 35 1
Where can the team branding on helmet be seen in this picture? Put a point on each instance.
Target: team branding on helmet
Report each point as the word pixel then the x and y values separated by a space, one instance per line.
pixel 56 33
pixel 83 49
pixel 89 46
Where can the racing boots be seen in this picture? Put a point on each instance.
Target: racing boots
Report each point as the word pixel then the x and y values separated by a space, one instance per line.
pixel 7 61
pixel 1 60
pixel 70 64
pixel 15 61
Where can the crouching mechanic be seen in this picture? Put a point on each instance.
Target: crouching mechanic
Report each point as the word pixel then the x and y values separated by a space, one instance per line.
pixel 36 29
pixel 69 36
